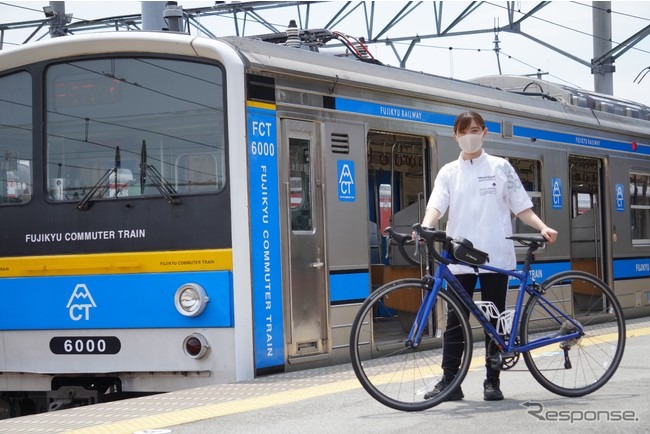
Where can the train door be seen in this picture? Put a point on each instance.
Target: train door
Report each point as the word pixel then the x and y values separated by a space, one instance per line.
pixel 305 291
pixel 587 199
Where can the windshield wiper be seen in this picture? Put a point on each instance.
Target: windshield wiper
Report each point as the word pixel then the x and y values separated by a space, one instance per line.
pixel 102 184
pixel 158 181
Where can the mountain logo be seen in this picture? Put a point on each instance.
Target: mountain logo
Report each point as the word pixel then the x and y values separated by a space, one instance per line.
pixel 80 303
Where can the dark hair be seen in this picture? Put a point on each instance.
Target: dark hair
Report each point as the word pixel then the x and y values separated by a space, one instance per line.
pixel 464 120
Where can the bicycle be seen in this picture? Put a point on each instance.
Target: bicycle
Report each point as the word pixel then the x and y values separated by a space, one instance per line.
pixel 570 330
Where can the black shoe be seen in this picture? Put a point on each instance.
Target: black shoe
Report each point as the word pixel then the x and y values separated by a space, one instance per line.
pixel 491 391
pixel 456 395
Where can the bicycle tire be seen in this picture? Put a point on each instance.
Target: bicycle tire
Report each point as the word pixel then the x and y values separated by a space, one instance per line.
pixel 391 372
pixel 595 356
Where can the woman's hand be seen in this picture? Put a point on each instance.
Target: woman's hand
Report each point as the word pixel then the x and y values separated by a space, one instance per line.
pixel 549 233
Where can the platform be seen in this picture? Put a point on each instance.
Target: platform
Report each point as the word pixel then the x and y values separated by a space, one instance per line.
pixel 164 413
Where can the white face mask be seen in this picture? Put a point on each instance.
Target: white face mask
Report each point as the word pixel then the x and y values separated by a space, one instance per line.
pixel 470 143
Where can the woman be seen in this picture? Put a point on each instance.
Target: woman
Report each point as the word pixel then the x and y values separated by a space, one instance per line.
pixel 481 193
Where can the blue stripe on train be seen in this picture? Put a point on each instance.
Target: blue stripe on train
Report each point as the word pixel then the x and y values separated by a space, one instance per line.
pixel 266 252
pixel 355 286
pixel 417 115
pixel 542 271
pixel 349 286
pixel 631 268
pixel 404 113
pixel 112 301
pixel 623 269
pixel 572 139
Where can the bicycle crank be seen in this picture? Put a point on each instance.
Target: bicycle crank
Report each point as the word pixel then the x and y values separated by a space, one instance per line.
pixel 500 360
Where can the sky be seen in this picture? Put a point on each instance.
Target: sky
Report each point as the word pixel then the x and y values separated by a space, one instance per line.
pixel 565 25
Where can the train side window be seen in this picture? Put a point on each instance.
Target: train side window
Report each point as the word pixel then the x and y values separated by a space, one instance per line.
pixel 529 172
pixel 15 138
pixel 124 127
pixel 640 208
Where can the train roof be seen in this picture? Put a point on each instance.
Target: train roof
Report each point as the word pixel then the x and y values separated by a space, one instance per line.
pixel 566 94
pixel 477 94
pixel 518 96
pixel 524 85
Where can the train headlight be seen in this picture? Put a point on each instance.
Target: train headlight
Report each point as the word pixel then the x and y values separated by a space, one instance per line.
pixel 190 299
pixel 195 345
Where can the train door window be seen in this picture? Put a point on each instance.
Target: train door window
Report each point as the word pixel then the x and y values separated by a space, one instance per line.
pixel 300 185
pixel 584 202
pixel 125 127
pixel 640 208
pixel 585 188
pixel 529 172
pixel 15 138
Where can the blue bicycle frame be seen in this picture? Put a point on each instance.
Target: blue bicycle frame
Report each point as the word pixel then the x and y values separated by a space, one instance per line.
pixel 443 274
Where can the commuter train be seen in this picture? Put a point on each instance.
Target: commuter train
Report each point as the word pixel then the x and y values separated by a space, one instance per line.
pixel 178 211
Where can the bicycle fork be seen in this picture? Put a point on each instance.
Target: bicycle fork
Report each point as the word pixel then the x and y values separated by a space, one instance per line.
pixel 420 323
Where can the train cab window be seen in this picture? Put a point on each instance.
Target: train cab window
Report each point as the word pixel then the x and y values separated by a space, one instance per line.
pixel 640 208
pixel 300 185
pixel 15 138
pixel 529 172
pixel 200 172
pixel 134 127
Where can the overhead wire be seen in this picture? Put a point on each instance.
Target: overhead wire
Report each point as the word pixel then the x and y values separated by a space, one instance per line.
pixel 456 48
pixel 592 6
pixel 572 29
pixel 13 5
pixel 641 74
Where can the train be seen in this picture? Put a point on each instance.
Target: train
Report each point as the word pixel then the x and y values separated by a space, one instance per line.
pixel 178 211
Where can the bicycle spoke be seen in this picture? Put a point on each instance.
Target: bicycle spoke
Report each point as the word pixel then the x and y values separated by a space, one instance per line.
pixel 394 373
pixel 581 365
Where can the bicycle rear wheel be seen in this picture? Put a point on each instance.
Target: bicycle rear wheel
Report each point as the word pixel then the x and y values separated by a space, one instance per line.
pixel 574 367
pixel 391 371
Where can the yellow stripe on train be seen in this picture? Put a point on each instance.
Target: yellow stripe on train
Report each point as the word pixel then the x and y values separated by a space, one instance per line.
pixel 262 105
pixel 117 263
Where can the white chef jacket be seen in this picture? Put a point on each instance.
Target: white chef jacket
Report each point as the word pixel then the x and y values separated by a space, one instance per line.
pixel 482 195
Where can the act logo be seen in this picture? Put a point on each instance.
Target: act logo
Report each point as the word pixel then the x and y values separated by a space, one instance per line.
pixel 346 188
pixel 80 303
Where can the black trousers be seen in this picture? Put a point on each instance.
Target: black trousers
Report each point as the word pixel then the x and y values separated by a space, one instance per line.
pixel 493 288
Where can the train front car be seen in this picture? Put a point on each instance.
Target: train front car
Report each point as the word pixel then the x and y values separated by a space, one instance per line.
pixel 116 207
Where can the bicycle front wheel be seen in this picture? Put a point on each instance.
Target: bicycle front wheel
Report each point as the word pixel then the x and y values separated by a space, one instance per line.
pixel 574 367
pixel 391 369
